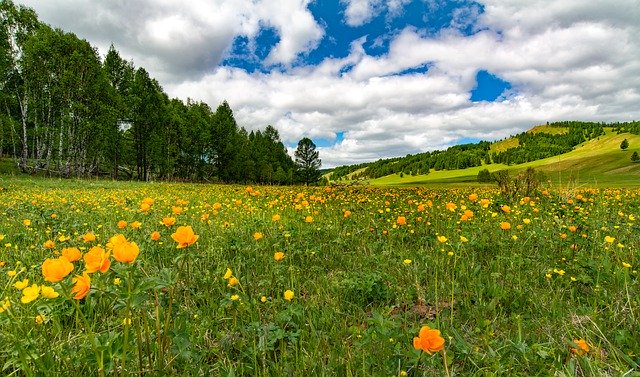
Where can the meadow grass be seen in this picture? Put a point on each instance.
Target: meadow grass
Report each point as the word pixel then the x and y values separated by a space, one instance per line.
pixel 511 286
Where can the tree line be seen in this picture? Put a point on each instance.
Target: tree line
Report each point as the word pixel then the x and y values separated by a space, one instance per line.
pixel 531 146
pixel 67 112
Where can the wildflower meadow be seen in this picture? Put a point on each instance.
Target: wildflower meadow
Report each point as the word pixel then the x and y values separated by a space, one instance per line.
pixel 112 278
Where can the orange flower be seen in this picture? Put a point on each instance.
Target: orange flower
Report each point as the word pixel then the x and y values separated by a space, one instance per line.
pixel 123 250
pixel 97 259
pixel 168 221
pixel 275 217
pixel 473 197
pixel 71 253
pixel 580 347
pixel 136 224
pixel 48 244
pixel 505 208
pixel 122 224
pixel 176 210
pixel 401 220
pixel 184 236
pixel 428 340
pixel 346 214
pixel 82 286
pixel 144 207
pixel 89 237
pixel 155 236
pixel 257 236
pixel 57 269
pixel 308 219
pixel 451 206
pixel 278 256
pixel 505 225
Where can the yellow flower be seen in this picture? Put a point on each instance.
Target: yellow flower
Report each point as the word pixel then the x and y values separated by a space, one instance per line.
pixel 626 265
pixel 40 319
pixel 235 297
pixel 580 347
pixel 57 269
pixel 26 222
pixel 278 256
pixel 168 221
pixel 71 253
pixel 464 239
pixel 263 299
pixel 48 244
pixel 20 285
pixel 233 281
pixel 308 219
pixel 184 236
pixel 89 237
pixel 117 281
pixel 442 239
pixel 30 293
pixel 136 224
pixel 275 217
pixel 82 286
pixel 257 236
pixel 228 274
pixel 609 239
pixel 407 261
pixel 288 295
pixel 428 340
pixel 505 225
pixel 48 292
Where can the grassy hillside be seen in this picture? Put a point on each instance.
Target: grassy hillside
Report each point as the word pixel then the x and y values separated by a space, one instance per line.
pixel 512 142
pixel 598 162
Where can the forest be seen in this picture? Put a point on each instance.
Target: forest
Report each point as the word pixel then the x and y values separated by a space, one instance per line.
pixel 67 112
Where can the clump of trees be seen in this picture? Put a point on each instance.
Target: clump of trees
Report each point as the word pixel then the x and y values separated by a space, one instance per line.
pixel 66 112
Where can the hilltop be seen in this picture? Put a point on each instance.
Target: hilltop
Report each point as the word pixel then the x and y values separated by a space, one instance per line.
pixel 568 152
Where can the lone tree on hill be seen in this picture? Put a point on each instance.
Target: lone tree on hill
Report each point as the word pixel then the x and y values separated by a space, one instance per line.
pixel 625 144
pixel 307 161
pixel 635 157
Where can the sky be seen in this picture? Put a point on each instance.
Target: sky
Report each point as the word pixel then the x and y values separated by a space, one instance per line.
pixel 371 79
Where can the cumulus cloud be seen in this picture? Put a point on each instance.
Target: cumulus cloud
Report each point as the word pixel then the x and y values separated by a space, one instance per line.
pixel 564 60
pixel 176 39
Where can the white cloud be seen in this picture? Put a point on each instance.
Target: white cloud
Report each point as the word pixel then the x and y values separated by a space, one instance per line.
pixel 565 60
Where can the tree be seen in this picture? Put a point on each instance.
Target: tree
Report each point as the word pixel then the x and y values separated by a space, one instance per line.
pixel 307 161
pixel 635 157
pixel 625 144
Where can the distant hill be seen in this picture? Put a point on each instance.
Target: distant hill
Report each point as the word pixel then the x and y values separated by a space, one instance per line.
pixel 567 151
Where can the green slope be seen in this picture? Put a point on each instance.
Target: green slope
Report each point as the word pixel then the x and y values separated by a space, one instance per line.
pixel 598 162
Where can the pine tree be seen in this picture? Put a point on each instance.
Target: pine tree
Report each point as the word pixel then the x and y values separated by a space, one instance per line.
pixel 635 157
pixel 307 161
pixel 625 144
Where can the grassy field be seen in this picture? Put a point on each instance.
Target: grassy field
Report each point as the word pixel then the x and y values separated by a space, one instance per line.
pixel 595 163
pixel 316 281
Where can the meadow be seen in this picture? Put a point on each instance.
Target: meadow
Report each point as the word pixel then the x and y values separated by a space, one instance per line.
pixel 115 278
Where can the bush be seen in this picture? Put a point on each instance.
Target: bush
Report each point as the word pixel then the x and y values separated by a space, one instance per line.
pixel 484 176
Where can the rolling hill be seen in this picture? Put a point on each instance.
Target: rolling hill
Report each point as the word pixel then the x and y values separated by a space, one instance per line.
pixel 596 162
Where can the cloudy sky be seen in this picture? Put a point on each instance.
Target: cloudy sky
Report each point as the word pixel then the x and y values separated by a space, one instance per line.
pixel 368 79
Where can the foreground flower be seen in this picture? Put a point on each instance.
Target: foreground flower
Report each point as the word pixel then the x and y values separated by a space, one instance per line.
pixel 278 256
pixel 428 340
pixel 20 285
pixel 580 347
pixel 505 225
pixel 288 295
pixel 57 269
pixel 82 286
pixel 30 293
pixel 228 274
pixel 184 236
pixel 442 239
pixel 48 292
pixel 123 250
pixel 71 253
pixel 97 259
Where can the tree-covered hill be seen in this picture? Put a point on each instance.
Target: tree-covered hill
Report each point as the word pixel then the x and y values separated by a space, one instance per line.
pixel 538 143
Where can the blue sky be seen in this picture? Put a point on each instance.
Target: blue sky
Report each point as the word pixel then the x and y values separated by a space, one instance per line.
pixel 369 79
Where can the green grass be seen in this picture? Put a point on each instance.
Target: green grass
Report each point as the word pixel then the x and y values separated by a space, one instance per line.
pixel 507 302
pixel 598 163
